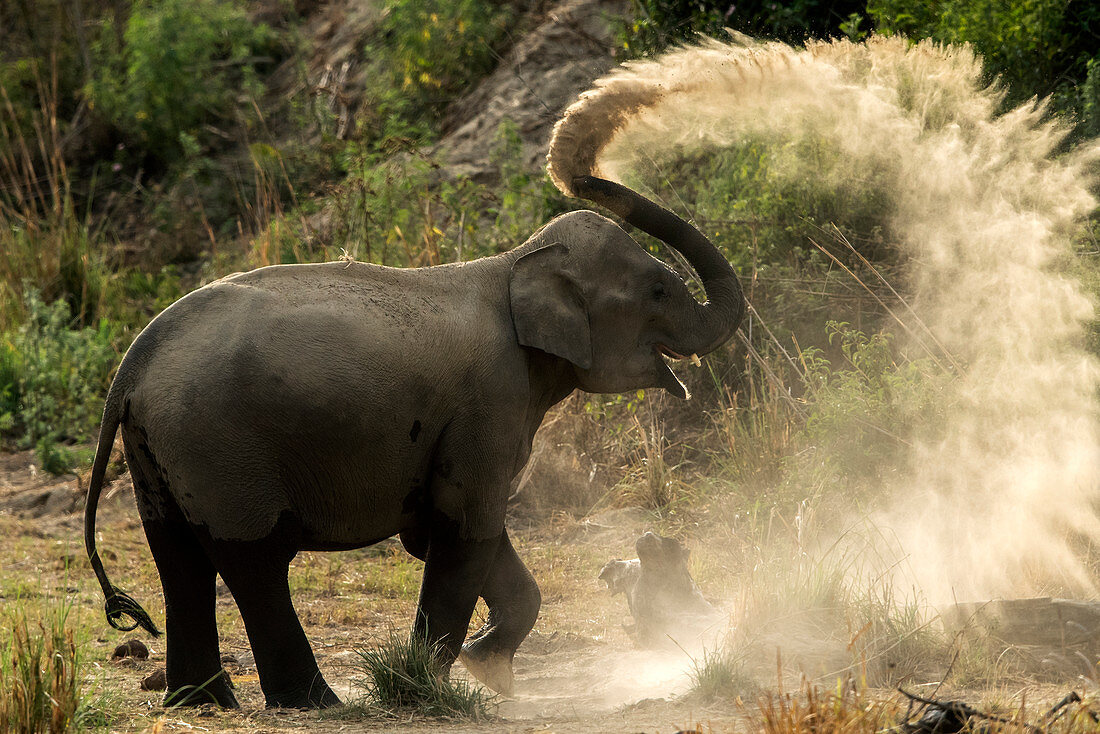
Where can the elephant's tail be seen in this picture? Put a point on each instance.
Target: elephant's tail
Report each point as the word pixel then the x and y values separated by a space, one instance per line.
pixel 118 604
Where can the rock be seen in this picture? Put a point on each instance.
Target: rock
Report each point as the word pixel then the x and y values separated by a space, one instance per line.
pixel 1041 621
pixel 135 649
pixel 663 598
pixel 155 681
pixel 62 498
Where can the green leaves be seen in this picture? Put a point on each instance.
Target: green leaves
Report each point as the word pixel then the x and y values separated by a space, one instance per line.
pixel 52 380
pixel 1043 48
pixel 426 52
pixel 181 68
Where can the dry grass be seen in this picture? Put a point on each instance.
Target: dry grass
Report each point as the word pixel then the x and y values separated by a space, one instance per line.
pixel 39 689
pixel 851 709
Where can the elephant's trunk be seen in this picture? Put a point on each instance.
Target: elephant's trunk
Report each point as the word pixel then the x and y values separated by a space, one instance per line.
pixel 720 316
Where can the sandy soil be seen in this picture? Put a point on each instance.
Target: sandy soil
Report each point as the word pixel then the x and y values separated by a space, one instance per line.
pixel 577 671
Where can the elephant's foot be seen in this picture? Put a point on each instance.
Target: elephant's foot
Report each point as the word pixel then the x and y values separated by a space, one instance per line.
pixel 217 689
pixel 318 695
pixel 491 667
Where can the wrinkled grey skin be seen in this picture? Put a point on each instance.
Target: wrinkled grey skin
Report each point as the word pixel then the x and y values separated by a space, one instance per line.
pixel 327 407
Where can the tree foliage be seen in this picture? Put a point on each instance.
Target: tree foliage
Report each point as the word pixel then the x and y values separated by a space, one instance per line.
pixel 1043 48
pixel 1038 48
pixel 178 69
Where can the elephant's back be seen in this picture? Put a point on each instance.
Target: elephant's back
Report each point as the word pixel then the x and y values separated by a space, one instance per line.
pixel 286 391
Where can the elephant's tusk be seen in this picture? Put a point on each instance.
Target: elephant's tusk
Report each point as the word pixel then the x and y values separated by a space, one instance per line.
pixel 695 360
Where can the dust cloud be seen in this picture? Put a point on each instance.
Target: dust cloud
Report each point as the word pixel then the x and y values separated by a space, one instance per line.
pixel 998 497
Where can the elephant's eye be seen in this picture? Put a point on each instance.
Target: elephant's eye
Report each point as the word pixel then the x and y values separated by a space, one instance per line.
pixel 658 292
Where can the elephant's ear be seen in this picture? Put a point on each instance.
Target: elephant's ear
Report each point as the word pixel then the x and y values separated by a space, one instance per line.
pixel 548 308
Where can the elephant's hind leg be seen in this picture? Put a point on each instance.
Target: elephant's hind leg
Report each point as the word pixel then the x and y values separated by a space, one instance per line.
pixel 256 574
pixel 193 665
pixel 513 599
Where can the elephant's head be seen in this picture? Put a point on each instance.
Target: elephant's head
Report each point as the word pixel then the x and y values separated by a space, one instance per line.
pixel 584 290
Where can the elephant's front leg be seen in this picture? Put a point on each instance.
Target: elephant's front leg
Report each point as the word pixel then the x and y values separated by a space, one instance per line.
pixel 454 572
pixel 513 599
pixel 469 495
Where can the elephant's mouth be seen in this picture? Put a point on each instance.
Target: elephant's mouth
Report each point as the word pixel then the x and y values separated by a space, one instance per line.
pixel 666 378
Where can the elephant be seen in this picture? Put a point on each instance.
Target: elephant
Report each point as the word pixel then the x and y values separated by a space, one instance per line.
pixel 331 406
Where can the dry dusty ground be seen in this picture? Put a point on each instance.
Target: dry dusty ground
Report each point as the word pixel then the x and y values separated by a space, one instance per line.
pixel 577 672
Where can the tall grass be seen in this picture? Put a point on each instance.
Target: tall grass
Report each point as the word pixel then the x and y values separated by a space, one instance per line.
pixel 846 709
pixel 46 242
pixel 721 674
pixel 41 687
pixel 38 684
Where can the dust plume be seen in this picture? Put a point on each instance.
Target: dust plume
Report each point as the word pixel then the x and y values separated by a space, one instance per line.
pixel 997 497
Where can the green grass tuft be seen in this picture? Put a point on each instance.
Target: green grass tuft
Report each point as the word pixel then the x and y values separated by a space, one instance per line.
pixel 405 675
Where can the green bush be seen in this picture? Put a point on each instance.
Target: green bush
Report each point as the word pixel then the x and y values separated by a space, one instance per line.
pixel 524 200
pixel 182 65
pixel 43 53
pixel 389 210
pixel 1043 48
pixel 1089 100
pixel 864 408
pixel 657 24
pixel 426 52
pixel 53 379
pixel 757 202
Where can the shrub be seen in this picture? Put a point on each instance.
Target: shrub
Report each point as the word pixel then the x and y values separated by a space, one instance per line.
pixel 866 407
pixel 181 66
pixel 389 211
pixel 1043 48
pixel 658 24
pixel 426 52
pixel 46 38
pixel 55 378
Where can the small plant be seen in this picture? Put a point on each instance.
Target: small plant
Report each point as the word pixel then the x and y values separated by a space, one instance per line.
pixel 180 68
pixel 48 241
pixel 428 50
pixel 39 685
pixel 406 675
pixel 721 674
pixel 56 377
pixel 653 481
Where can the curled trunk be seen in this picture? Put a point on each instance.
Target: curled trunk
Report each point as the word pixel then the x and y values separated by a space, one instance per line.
pixel 719 317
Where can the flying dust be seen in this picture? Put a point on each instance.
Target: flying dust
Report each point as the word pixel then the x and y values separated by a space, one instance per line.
pixel 1000 494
